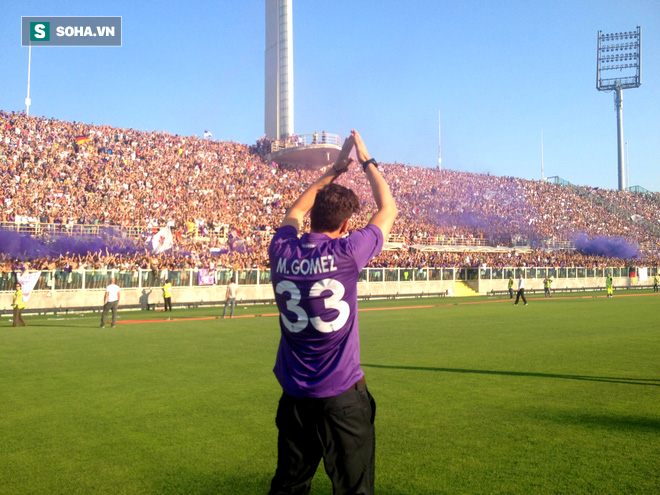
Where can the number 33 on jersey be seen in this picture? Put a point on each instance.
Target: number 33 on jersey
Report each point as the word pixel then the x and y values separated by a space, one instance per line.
pixel 333 291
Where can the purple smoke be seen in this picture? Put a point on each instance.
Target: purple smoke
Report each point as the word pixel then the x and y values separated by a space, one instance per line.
pixel 613 247
pixel 24 247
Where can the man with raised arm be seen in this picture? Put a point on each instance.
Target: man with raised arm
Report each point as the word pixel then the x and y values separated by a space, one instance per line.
pixel 326 411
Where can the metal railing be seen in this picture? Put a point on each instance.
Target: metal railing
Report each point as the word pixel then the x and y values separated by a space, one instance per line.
pixel 71 229
pixel 452 241
pixel 39 229
pixel 298 140
pixel 220 234
pixel 487 273
pixel 63 280
pixel 68 280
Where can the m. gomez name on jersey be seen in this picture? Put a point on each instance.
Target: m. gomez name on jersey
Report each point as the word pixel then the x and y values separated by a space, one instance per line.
pixel 306 266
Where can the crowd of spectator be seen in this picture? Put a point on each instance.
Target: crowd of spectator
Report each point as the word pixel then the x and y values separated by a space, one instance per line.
pixel 533 258
pixel 639 207
pixel 222 200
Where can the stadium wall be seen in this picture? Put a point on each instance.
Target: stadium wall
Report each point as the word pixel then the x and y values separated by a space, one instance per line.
pixel 150 298
pixel 562 284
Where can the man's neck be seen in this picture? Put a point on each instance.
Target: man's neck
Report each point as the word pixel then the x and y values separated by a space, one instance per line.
pixel 333 235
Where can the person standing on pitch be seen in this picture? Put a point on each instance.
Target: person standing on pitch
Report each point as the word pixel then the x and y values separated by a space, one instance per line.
pixel 546 287
pixel 230 297
pixel 19 305
pixel 609 285
pixel 655 283
pixel 510 287
pixel 167 295
pixel 325 411
pixel 521 290
pixel 110 302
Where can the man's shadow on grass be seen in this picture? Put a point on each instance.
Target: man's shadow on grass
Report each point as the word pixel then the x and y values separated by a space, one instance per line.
pixel 654 382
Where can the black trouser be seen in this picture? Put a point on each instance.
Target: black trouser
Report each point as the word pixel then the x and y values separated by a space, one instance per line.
pixel 340 430
pixel 109 306
pixel 521 293
pixel 168 303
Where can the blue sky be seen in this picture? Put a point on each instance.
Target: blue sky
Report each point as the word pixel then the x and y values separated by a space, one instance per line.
pixel 502 73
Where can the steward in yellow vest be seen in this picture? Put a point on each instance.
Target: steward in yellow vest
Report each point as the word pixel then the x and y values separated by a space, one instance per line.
pixel 18 304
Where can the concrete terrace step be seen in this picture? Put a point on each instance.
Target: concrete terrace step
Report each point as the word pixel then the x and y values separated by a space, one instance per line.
pixel 461 289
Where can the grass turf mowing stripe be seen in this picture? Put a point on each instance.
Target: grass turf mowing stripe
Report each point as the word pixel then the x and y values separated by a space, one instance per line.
pixel 426 306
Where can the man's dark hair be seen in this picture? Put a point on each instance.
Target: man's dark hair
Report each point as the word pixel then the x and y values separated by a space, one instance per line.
pixel 333 205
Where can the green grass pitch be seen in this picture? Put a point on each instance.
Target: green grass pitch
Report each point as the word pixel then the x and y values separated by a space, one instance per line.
pixel 473 396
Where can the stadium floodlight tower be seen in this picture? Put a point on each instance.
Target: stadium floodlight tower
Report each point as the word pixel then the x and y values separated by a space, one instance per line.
pixel 279 69
pixel 28 101
pixel 621 52
pixel 289 150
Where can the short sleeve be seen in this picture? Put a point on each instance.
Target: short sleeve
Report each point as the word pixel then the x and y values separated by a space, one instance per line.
pixel 365 244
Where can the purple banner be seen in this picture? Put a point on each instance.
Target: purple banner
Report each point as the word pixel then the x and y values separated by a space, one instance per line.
pixel 205 277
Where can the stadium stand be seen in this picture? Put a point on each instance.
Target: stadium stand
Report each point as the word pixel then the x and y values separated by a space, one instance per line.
pixel 223 201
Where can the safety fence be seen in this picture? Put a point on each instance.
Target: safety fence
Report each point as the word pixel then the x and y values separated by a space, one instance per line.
pixel 64 280
pixel 324 138
pixel 37 228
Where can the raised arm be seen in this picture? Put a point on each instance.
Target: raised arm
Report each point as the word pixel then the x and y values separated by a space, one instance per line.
pixel 387 210
pixel 294 216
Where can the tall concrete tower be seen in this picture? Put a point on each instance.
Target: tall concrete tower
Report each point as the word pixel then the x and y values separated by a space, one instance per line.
pixel 279 69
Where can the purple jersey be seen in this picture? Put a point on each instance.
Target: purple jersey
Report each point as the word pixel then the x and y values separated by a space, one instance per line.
pixel 315 282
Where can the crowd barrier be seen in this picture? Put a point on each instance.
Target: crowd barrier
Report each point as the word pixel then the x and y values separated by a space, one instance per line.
pixel 38 228
pixel 54 280
pixel 220 235
pixel 49 230
pixel 324 138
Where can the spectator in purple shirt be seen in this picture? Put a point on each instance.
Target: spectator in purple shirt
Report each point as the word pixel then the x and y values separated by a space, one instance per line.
pixel 326 410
